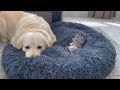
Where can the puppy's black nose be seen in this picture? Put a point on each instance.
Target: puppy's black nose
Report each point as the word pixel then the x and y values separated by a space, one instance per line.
pixel 27 47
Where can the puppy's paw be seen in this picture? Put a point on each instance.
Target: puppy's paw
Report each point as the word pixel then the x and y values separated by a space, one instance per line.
pixel 38 55
pixel 72 49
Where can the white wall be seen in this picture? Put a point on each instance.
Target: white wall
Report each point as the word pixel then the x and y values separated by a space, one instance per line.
pixel 75 13
pixel 118 14
pixel 82 14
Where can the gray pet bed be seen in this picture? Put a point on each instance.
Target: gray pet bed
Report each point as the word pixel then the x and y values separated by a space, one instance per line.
pixel 95 60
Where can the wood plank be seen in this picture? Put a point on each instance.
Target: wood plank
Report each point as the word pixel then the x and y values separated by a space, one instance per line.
pixel 107 15
pixel 114 13
pixel 99 14
pixel 91 13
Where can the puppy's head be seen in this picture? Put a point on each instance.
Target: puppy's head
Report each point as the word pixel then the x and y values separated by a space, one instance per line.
pixel 32 43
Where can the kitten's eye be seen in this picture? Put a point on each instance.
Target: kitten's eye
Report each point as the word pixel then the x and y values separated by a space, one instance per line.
pixel 27 47
pixel 39 47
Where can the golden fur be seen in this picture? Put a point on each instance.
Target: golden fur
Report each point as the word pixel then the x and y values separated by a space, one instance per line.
pixel 27 31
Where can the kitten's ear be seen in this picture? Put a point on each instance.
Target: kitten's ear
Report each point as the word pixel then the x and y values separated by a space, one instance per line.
pixel 82 39
pixel 76 34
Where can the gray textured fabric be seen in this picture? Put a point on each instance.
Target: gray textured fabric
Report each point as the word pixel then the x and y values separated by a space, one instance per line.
pixel 95 60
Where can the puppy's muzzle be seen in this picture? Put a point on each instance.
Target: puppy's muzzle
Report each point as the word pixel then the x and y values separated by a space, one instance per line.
pixel 32 54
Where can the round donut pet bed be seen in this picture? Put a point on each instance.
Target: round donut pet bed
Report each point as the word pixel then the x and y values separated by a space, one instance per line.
pixel 95 60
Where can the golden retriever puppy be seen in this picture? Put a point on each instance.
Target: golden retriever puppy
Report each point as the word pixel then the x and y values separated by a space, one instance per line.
pixel 27 31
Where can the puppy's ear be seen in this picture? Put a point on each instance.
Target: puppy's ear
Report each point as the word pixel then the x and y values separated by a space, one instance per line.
pixel 47 37
pixel 17 43
pixel 48 44
pixel 54 39
pixel 3 28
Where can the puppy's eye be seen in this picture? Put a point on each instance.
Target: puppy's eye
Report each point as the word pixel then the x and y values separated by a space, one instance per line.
pixel 39 47
pixel 27 47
